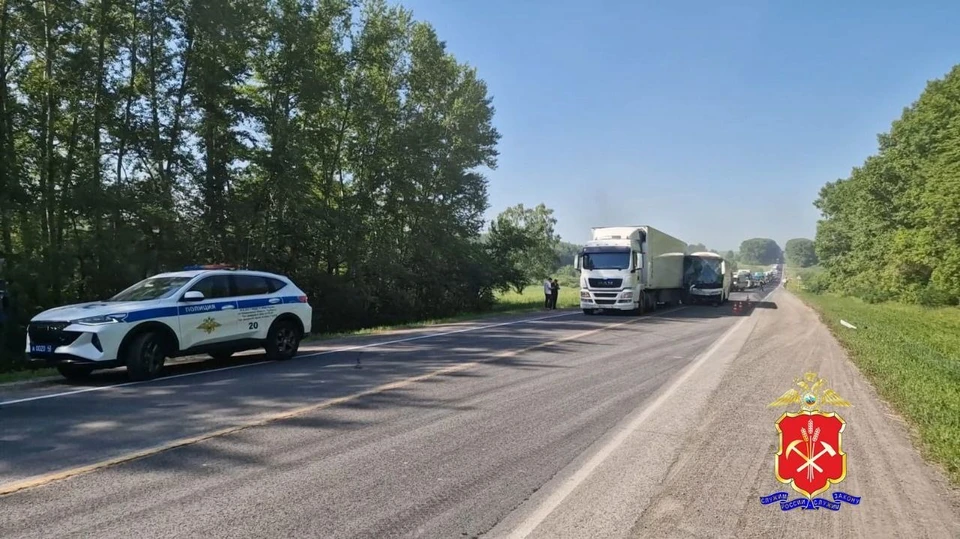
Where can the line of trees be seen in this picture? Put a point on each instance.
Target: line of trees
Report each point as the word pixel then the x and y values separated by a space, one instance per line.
pixel 333 141
pixel 891 230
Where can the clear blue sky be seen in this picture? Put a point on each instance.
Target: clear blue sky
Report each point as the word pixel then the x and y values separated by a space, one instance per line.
pixel 713 121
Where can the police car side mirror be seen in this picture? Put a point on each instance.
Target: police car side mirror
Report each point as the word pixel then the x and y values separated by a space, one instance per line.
pixel 193 295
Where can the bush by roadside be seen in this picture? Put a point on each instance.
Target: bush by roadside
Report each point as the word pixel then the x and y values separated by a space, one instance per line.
pixel 911 355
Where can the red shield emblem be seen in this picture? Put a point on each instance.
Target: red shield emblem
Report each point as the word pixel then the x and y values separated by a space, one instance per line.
pixel 810 457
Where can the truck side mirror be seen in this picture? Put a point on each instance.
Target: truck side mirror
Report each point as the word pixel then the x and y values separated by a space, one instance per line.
pixel 576 261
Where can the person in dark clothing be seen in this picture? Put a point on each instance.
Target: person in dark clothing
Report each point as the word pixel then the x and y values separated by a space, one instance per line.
pixel 554 292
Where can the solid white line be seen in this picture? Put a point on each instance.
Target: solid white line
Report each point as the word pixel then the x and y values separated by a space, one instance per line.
pixel 570 484
pixel 307 355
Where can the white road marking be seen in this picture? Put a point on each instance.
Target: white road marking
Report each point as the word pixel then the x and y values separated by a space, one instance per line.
pixel 570 484
pixel 303 356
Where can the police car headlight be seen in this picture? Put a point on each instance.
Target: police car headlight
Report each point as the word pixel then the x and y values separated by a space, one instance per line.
pixel 101 320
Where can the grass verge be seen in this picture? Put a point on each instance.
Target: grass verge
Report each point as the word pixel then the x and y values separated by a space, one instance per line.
pixel 911 355
pixel 17 376
pixel 530 300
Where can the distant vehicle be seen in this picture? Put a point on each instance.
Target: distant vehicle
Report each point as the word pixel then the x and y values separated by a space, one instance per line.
pixel 632 268
pixel 707 278
pixel 743 280
pixel 211 310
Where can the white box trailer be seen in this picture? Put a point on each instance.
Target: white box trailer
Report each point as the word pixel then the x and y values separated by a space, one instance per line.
pixel 630 268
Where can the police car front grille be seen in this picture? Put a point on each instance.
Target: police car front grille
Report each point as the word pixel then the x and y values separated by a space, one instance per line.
pixel 51 333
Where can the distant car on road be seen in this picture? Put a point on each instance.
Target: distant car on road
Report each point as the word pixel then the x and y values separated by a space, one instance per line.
pixel 211 310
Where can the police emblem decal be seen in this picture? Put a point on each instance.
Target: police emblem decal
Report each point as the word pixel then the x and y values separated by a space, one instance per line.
pixel 810 456
pixel 208 325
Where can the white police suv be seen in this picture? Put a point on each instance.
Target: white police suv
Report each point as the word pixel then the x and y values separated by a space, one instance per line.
pixel 212 310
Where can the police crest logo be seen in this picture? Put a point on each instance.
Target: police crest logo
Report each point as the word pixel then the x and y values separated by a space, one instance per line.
pixel 810 455
pixel 209 324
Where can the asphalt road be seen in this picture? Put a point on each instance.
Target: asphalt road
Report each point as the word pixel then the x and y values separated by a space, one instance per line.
pixel 552 425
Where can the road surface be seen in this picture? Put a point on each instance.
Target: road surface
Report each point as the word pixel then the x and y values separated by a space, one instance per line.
pixel 552 425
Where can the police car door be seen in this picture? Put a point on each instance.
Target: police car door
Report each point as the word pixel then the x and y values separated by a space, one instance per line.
pixel 257 305
pixel 212 320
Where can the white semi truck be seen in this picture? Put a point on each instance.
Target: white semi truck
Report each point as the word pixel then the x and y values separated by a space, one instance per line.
pixel 707 278
pixel 630 268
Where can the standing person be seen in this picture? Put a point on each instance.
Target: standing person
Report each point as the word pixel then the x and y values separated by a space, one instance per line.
pixel 554 292
pixel 547 292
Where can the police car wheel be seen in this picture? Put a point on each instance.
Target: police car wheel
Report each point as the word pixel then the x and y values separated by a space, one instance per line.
pixel 283 340
pixel 74 372
pixel 145 357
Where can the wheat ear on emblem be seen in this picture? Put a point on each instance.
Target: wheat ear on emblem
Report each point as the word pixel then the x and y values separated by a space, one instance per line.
pixel 813 444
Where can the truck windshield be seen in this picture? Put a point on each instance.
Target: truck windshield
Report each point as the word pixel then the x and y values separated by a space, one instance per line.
pixel 152 288
pixel 602 261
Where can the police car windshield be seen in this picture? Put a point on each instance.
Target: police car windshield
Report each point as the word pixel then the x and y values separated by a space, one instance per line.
pixel 152 288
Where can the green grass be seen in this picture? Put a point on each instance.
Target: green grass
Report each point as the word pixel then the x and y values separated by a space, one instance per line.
pixel 511 302
pixel 18 376
pixel 911 355
pixel 805 274
pixel 532 298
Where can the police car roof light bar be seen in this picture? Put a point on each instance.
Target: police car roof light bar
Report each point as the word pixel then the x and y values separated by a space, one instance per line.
pixel 208 267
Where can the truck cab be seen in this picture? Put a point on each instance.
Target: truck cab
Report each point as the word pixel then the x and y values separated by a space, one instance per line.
pixel 629 269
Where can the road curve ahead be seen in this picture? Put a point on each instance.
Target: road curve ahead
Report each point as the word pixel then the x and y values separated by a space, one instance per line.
pixel 566 426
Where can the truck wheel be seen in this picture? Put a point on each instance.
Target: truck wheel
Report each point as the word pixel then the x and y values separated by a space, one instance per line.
pixel 283 340
pixel 589 312
pixel 74 372
pixel 145 357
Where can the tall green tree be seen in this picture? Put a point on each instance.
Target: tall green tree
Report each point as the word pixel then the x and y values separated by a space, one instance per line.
pixel 760 251
pixel 566 253
pixel 800 252
pixel 525 241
